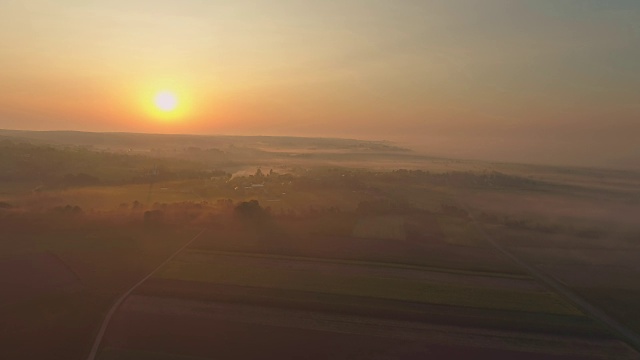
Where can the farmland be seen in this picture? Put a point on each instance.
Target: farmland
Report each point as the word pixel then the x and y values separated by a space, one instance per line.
pixel 345 250
pixel 355 280
pixel 417 311
pixel 58 282
pixel 213 330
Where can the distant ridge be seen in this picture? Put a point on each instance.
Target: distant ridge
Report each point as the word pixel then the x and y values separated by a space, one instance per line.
pixel 135 140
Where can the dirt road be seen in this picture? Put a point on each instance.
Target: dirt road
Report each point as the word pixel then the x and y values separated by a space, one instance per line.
pixel 114 308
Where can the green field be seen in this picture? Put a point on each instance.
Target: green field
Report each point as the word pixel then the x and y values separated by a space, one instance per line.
pixel 220 270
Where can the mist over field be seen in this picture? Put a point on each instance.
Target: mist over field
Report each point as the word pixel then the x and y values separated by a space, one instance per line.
pixel 380 179
pixel 136 246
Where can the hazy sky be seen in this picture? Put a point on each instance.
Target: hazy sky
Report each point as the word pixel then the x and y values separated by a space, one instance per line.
pixel 536 80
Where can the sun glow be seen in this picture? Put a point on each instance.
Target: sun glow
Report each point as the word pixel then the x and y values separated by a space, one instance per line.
pixel 163 102
pixel 166 101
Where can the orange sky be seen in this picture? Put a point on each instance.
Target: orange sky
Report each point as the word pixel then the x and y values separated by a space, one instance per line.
pixel 541 81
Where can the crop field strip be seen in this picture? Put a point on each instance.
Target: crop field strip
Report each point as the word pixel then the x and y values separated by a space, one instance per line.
pixel 369 269
pixel 437 255
pixel 377 264
pixel 167 313
pixel 326 322
pixel 224 269
pixel 373 307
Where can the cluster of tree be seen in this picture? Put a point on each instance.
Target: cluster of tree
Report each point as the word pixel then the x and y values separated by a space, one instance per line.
pixel 251 210
pixel 153 217
pixel 78 166
pixel 188 212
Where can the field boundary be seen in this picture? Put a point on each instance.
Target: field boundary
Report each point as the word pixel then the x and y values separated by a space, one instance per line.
pixel 363 263
pixel 116 305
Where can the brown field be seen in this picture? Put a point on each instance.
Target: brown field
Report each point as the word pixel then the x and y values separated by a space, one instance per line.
pixel 32 275
pixel 64 276
pixel 63 324
pixel 374 307
pixel 222 331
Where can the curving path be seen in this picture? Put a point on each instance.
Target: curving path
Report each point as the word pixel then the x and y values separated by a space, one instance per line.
pixel 116 305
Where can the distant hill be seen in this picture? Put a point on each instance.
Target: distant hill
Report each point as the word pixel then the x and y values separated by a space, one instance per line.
pixel 139 141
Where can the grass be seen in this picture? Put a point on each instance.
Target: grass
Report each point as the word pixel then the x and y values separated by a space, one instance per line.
pixel 230 272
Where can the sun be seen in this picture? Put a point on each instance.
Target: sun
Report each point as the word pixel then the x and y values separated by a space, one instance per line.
pixel 166 101
pixel 164 104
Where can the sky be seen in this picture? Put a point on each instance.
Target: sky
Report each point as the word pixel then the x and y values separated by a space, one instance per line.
pixel 544 81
